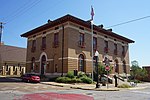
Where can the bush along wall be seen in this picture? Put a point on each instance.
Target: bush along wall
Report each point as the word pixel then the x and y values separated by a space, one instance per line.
pixel 70 78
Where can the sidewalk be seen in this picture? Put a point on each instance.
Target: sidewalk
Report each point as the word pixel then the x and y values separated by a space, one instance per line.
pixel 83 86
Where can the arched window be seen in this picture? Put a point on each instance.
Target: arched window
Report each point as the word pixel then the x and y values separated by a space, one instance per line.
pixel 33 64
pixel 116 66
pixel 124 67
pixel 81 63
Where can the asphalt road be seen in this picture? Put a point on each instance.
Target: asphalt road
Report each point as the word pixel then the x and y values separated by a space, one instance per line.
pixel 14 89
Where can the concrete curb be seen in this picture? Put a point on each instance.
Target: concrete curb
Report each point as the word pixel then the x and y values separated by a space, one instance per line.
pixel 52 84
pixel 137 88
pixel 82 88
pixel 95 89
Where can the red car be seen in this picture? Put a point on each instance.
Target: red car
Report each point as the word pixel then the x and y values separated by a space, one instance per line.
pixel 30 78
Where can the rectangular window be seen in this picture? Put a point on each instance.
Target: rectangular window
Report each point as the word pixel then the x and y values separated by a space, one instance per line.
pixel 106 47
pixel 115 50
pixel 33 48
pixel 123 51
pixel 94 43
pixel 81 40
pixel 56 40
pixel 81 37
pixel 43 43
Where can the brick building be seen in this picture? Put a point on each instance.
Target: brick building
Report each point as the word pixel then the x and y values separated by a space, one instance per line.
pixel 12 60
pixel 147 68
pixel 48 53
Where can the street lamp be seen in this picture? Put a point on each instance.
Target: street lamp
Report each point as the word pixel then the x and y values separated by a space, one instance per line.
pixel 96 64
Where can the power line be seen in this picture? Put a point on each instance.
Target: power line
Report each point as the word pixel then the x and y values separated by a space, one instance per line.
pixel 128 21
pixel 16 11
pixel 23 10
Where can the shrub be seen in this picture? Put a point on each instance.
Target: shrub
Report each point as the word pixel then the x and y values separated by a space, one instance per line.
pixel 89 75
pixel 124 86
pixel 63 80
pixel 70 74
pixel 86 79
pixel 76 80
pixel 81 74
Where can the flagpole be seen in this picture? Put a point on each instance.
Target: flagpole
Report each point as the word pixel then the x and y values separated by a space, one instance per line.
pixel 92 14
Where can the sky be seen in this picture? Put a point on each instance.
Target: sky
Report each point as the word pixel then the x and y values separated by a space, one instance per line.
pixel 21 16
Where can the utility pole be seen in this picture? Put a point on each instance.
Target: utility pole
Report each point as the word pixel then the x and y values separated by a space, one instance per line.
pixel 1 31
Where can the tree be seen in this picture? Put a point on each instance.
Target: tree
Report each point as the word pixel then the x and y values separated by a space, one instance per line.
pixel 137 72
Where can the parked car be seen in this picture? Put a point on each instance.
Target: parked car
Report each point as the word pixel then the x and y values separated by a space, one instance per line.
pixel 30 78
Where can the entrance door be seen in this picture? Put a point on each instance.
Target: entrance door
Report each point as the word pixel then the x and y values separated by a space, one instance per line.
pixel 43 64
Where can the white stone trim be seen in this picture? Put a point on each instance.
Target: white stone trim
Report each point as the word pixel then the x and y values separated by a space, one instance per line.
pixel 37 61
pixel 57 74
pixel 28 62
pixel 88 59
pixel 81 31
pixel 68 58
pixel 56 31
pixel 42 54
pixel 50 59
pixel 85 31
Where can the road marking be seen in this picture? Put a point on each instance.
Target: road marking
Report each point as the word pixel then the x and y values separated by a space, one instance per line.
pixel 15 88
pixel 141 92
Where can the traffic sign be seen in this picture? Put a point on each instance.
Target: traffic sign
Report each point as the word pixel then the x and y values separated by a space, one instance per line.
pixel 107 68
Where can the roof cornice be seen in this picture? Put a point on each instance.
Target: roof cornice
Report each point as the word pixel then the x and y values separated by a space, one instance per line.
pixel 81 22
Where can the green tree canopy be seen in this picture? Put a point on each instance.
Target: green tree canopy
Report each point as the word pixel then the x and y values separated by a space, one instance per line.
pixel 137 72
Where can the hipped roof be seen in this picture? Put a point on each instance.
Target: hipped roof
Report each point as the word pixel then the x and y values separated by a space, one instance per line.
pixel 76 20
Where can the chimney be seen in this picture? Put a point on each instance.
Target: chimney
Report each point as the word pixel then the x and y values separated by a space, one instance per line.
pixel 109 30
pixel 101 26
pixel 49 21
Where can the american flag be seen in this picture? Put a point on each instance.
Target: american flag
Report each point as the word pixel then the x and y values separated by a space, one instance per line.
pixel 92 13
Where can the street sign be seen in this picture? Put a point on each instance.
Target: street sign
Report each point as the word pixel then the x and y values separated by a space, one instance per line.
pixel 107 68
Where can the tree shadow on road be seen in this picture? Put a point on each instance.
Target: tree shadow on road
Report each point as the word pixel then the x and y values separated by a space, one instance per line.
pixel 10 79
